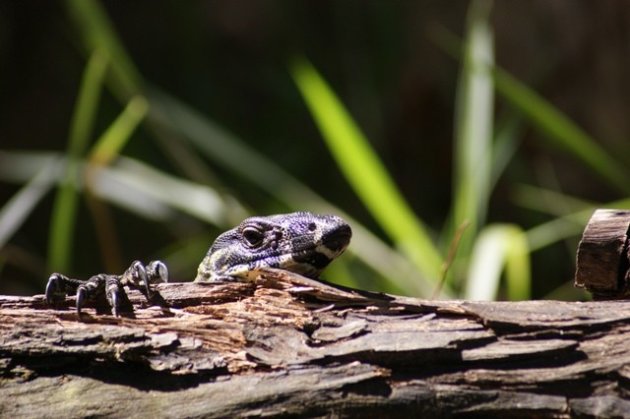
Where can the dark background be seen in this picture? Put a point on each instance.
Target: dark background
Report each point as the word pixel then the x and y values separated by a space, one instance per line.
pixel 229 60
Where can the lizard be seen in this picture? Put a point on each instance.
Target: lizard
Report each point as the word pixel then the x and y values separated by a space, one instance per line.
pixel 300 242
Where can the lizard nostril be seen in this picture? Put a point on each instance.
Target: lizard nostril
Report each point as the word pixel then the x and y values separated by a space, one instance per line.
pixel 338 239
pixel 312 227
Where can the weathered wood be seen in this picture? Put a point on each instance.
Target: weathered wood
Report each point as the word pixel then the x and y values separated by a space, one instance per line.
pixel 603 261
pixel 292 346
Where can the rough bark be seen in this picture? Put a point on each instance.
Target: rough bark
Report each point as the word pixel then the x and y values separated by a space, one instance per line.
pixel 603 257
pixel 286 345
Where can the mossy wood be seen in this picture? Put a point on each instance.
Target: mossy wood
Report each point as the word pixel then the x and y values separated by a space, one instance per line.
pixel 290 346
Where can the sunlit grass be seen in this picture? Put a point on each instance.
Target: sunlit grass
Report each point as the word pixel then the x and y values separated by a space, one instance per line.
pixel 566 226
pixel 499 247
pixel 17 209
pixel 474 117
pixel 222 147
pixel 114 139
pixel 365 172
pixel 233 154
pixel 561 131
pixel 98 34
pixel 64 211
pixel 472 148
pixel 491 261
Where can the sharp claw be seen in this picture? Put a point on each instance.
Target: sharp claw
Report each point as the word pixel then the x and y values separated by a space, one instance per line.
pixel 114 302
pixel 157 271
pixel 51 288
pixel 142 275
pixel 81 296
pixel 137 276
pixel 112 288
pixel 162 271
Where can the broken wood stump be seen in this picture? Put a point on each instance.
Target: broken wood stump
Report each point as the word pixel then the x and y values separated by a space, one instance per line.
pixel 289 346
pixel 603 256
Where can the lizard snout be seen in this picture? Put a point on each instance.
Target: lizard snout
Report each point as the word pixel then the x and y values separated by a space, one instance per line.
pixel 338 239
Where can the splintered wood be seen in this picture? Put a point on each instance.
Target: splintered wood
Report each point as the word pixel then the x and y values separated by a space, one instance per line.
pixel 603 261
pixel 290 346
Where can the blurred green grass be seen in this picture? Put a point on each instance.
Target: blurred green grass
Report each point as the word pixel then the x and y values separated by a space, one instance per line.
pixel 396 250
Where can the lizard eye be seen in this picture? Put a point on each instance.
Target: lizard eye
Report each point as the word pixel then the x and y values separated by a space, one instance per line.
pixel 253 236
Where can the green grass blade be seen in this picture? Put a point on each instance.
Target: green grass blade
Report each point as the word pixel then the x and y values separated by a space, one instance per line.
pixel 518 278
pixel 561 131
pixel 547 201
pixel 17 209
pixel 548 119
pixel 553 231
pixel 87 105
pixel 99 35
pixel 65 205
pixel 106 149
pixel 20 167
pixel 131 185
pixel 506 142
pixel 130 180
pixel 230 152
pixel 62 226
pixel 109 145
pixel 127 185
pixel 570 214
pixel 485 268
pixel 499 247
pixel 567 226
pixel 473 122
pixel 473 127
pixel 364 170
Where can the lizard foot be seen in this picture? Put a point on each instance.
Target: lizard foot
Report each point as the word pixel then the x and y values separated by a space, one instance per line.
pixel 137 276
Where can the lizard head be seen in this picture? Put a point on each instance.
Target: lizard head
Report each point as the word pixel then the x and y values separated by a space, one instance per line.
pixel 299 242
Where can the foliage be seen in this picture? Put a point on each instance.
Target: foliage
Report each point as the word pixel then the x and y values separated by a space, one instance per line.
pixel 471 257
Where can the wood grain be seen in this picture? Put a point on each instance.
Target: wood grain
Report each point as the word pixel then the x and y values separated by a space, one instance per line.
pixel 603 258
pixel 286 345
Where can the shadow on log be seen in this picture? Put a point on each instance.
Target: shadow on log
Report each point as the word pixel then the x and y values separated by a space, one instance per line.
pixel 286 345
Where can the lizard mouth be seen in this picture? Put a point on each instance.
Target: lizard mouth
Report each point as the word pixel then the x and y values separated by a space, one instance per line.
pixel 312 260
pixel 338 239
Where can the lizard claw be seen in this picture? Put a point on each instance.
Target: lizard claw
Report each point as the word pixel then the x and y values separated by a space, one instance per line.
pixel 136 277
pixel 117 297
pixel 113 299
pixel 55 292
pixel 109 286
pixel 139 277
pixel 81 297
pixel 157 271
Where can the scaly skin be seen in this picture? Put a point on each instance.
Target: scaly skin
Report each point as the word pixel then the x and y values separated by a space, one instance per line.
pixel 137 276
pixel 300 242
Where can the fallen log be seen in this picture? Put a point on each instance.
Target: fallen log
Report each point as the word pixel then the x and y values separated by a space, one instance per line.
pixel 285 345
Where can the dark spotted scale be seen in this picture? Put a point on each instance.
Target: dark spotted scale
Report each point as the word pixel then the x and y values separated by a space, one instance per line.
pixel 299 242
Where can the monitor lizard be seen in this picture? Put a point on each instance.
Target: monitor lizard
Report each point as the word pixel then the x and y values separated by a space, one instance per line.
pixel 301 242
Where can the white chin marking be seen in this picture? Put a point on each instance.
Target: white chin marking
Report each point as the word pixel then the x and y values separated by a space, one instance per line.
pixel 330 254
